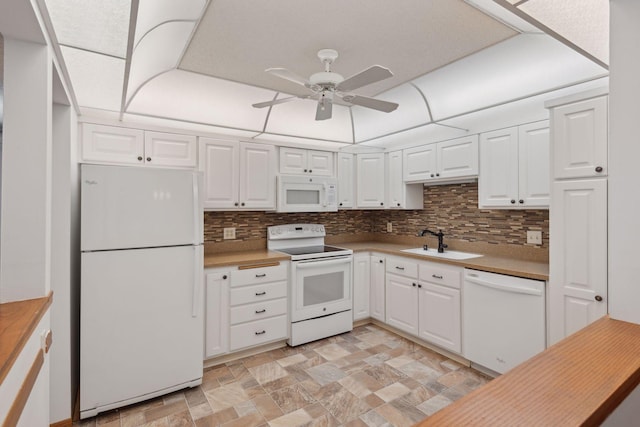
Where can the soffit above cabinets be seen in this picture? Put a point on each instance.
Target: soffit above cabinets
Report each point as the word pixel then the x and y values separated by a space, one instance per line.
pixel 201 63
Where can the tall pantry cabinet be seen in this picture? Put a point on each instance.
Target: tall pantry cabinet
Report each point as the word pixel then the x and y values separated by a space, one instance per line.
pixel 578 213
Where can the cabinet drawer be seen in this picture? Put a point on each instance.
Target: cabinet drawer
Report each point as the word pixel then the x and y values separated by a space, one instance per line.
pixel 258 332
pixel 259 310
pixel 258 293
pixel 402 267
pixel 251 276
pixel 440 274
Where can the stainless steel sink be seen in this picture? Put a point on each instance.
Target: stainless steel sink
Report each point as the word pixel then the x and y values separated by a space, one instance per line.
pixel 445 255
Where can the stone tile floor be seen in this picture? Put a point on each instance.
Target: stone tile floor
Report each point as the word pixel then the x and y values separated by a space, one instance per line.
pixel 367 377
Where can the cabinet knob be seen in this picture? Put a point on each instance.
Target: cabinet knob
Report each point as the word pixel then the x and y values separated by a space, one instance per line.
pixel 381 203
pixel 598 298
pixel 242 204
pixel 380 261
pixel 235 204
pixel 419 285
pixel 513 201
pixel 398 204
pixel 431 175
pixel 340 203
pixel 521 201
pixel 437 174
pixel 598 169
pixel 414 285
pixel 139 158
pixel 224 277
pixel 148 159
pixel 305 170
pixel 310 171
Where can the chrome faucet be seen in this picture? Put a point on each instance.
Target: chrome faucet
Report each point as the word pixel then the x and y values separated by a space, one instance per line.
pixel 439 235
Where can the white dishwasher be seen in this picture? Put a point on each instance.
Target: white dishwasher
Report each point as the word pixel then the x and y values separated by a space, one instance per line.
pixel 503 319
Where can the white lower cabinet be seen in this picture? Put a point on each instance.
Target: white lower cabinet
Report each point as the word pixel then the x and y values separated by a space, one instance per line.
pixel 216 340
pixel 423 299
pixel 361 280
pixel 377 288
pixel 245 306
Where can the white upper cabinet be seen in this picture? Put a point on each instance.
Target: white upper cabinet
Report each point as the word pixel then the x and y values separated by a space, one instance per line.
pixel 298 161
pixel 168 149
pixel 399 194
pixel 238 175
pixel 582 129
pixel 448 160
pixel 370 180
pixel 125 146
pixel 514 167
pixel 346 180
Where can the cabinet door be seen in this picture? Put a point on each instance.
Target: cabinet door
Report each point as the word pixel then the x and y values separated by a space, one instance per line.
pixel 370 180
pixel 498 178
pixel 109 144
pixel 395 183
pixel 420 163
pixel 168 149
pixel 257 176
pixel 346 180
pixel 534 171
pixel 580 139
pixel 578 255
pixel 361 278
pixel 219 163
pixel 440 316
pixel 293 160
pixel 216 328
pixel 402 303
pixel 376 288
pixel 457 158
pixel 320 162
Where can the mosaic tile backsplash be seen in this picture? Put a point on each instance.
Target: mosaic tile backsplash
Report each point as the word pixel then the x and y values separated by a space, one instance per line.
pixel 451 208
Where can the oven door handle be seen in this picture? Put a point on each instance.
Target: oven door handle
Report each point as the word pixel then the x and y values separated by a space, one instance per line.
pixel 322 263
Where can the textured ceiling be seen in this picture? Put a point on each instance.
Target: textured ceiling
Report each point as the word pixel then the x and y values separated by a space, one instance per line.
pixel 238 39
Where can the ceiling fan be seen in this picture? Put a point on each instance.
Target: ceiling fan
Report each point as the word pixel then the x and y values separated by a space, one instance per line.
pixel 324 85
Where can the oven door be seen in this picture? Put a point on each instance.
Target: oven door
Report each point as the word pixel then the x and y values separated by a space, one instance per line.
pixel 320 287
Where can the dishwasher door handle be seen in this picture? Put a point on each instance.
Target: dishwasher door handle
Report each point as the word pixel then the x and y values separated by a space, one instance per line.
pixel 504 288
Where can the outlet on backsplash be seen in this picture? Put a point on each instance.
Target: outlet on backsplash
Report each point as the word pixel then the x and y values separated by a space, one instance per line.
pixel 534 237
pixel 389 227
pixel 229 233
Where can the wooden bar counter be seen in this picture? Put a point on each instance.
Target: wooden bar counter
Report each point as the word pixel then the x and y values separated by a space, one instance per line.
pixel 577 382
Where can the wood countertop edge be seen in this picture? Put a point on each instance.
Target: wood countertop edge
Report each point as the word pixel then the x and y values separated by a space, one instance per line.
pixel 16 326
pixel 564 385
pixel 488 263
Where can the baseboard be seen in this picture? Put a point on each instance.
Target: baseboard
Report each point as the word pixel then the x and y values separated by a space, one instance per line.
pixel 225 358
pixel 63 423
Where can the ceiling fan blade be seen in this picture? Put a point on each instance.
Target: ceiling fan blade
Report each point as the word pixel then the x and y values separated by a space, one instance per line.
pixel 370 75
pixel 325 107
pixel 274 102
pixel 373 103
pixel 283 73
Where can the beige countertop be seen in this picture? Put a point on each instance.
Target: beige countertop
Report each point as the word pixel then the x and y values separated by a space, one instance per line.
pixel 532 269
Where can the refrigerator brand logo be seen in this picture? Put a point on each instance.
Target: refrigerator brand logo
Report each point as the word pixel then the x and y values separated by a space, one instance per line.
pixel 90 182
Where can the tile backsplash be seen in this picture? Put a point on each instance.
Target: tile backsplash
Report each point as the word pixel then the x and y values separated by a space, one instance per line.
pixel 451 208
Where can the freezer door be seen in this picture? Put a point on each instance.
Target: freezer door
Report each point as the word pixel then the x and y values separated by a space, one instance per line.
pixel 133 207
pixel 141 323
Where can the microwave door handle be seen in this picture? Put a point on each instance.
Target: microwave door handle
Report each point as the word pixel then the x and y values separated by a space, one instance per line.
pixel 325 195
pixel 316 263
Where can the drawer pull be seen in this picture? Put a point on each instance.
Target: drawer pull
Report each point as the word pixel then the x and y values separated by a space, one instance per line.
pixel 261 275
pixel 262 332
pixel 435 276
pixel 264 310
pixel 259 294
pixel 399 268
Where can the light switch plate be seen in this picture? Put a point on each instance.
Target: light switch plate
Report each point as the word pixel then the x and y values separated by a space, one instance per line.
pixel 534 237
pixel 389 227
pixel 229 233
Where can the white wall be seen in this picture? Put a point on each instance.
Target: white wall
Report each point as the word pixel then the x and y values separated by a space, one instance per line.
pixel 624 158
pixel 26 171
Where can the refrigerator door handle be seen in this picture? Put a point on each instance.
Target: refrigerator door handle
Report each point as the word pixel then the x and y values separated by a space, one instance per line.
pixel 197 280
pixel 197 234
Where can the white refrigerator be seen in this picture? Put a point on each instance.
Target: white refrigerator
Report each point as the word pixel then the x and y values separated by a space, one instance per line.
pixel 141 309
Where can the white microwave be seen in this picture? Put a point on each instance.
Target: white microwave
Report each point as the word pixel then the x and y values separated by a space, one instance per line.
pixel 307 194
